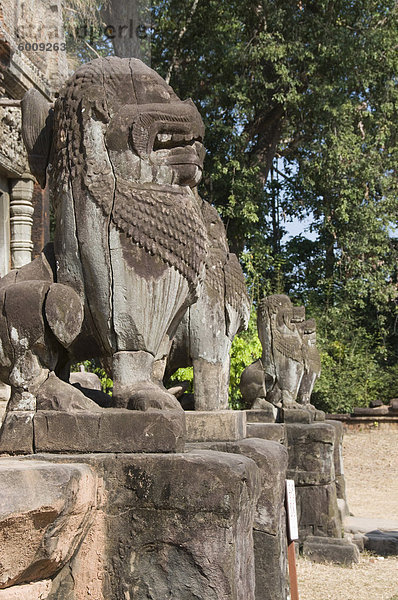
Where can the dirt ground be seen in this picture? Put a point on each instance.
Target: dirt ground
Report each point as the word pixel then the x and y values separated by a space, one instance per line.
pixel 371 473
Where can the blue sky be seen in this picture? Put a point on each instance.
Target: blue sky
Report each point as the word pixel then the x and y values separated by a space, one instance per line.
pixel 296 227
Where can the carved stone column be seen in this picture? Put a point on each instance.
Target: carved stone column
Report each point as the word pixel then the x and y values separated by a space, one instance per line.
pixel 21 221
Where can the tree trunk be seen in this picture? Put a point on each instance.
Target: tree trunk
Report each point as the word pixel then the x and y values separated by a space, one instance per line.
pixel 127 26
pixel 268 128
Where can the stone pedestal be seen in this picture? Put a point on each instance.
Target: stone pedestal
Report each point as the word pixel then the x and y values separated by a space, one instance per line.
pixel 275 432
pixel 261 415
pixel 108 430
pixel 297 415
pixel 215 425
pixel 311 453
pixel 317 511
pixel 336 550
pixel 311 465
pixel 269 528
pixel 339 467
pixel 158 526
pixel 16 433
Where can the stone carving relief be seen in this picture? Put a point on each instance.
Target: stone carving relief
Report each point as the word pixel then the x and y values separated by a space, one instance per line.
pixel 13 155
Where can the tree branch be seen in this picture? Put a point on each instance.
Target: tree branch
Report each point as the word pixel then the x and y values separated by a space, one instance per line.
pixel 92 49
pixel 179 38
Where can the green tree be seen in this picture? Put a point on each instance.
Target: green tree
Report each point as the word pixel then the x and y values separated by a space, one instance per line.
pixel 270 77
pixel 85 31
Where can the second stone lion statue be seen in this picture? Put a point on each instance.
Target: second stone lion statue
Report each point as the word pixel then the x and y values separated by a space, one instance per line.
pixel 284 377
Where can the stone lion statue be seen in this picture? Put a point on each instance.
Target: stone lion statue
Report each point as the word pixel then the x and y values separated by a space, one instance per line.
pixel 282 356
pixel 121 155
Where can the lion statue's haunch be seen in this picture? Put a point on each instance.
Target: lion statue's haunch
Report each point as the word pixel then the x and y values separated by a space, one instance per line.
pixel 121 154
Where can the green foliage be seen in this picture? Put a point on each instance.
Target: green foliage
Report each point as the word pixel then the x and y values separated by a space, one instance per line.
pixel 354 365
pixel 300 103
pixel 184 374
pixel 313 83
pixel 388 383
pixel 92 366
pixel 353 379
pixel 246 348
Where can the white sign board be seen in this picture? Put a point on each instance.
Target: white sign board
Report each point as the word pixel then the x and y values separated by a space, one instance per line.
pixel 291 510
pixel 341 461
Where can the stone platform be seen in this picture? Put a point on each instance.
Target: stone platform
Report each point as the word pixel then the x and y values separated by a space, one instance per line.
pixel 208 524
pixel 364 422
pixel 316 466
pixel 275 432
pixel 269 527
pixel 108 430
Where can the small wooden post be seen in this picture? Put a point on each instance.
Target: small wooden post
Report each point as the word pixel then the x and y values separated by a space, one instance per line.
pixel 292 535
pixel 291 558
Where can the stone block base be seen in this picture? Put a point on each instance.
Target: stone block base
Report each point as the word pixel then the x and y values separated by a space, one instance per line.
pixel 269 534
pixel 16 433
pixel 111 430
pixel 163 526
pixel 260 415
pixel 317 511
pixel 335 550
pixel 338 463
pixel 312 459
pixel 275 432
pixel 297 415
pixel 311 453
pixel 215 425
pixel 271 565
pixel 384 543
